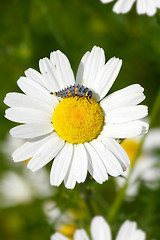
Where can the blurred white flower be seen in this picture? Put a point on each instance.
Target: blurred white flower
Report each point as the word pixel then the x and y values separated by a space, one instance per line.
pixel 55 216
pixel 9 145
pixel 14 190
pixel 78 135
pixel 51 211
pixel 148 7
pixel 24 186
pixel 146 167
pixel 100 230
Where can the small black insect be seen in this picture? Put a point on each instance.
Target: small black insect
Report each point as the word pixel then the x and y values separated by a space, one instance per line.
pixel 74 90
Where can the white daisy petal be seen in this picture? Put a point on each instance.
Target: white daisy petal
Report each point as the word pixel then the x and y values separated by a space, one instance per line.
pixel 33 89
pixel 46 153
pixel 146 6
pixel 128 96
pixel 80 234
pixel 63 68
pixel 111 163
pixel 92 67
pixel 36 76
pixel 58 236
pixel 140 235
pixel 78 168
pixel 22 100
pixel 125 130
pixel 95 165
pixel 50 74
pixel 125 230
pixel 106 1
pixel 28 149
pixel 27 115
pixel 100 229
pixel 123 6
pixel 126 114
pixel 112 145
pixel 61 165
pixel 31 130
pixel 106 78
pixel 129 230
pixel 82 162
pixel 157 3
pixel 80 71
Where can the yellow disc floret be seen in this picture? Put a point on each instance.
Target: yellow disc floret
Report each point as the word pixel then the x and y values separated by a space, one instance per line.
pixel 131 148
pixel 67 230
pixel 77 120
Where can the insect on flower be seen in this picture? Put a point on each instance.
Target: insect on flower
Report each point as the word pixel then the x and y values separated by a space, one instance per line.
pixel 74 90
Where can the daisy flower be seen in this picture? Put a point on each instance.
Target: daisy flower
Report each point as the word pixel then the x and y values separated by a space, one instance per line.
pixel 78 132
pixel 148 7
pixel 101 230
pixel 53 214
pixel 23 188
pixel 146 167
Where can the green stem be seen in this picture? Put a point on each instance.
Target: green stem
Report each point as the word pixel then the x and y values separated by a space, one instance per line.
pixel 117 203
pixel 119 199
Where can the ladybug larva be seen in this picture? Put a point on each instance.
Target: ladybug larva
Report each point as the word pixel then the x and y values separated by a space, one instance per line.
pixel 74 90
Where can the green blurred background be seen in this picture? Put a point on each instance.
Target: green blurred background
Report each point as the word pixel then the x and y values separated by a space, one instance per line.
pixel 30 30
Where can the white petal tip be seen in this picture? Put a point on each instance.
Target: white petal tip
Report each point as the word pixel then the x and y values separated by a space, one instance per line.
pixel 53 183
pixel 11 132
pixel 14 160
pixel 31 167
pixel 70 187
pixel 5 99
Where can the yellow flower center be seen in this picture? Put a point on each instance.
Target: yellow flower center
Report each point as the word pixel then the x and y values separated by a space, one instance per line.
pixel 131 147
pixel 67 230
pixel 78 120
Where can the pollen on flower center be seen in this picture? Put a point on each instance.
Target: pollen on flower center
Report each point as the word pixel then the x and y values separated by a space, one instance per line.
pixel 78 120
pixel 77 115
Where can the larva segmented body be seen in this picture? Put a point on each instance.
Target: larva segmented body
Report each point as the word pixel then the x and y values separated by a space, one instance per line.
pixel 74 90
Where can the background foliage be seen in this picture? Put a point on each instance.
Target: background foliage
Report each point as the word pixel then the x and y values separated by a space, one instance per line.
pixel 30 30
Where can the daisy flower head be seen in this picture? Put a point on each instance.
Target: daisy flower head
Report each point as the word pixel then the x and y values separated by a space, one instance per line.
pixel 77 125
pixel 101 230
pixel 148 7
